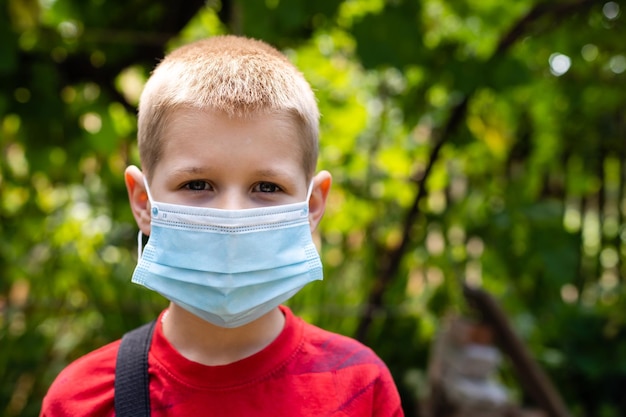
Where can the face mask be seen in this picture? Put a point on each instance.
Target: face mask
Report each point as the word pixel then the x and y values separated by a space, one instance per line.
pixel 229 267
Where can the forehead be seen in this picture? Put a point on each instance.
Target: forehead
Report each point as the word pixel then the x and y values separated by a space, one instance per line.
pixel 204 137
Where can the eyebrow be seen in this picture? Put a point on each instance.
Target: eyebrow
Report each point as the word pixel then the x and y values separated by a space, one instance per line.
pixel 273 173
pixel 190 170
pixel 269 173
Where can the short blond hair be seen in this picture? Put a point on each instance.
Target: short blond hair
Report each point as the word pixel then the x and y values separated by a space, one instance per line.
pixel 237 76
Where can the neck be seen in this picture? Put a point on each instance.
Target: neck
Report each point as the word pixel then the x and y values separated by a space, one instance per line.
pixel 205 343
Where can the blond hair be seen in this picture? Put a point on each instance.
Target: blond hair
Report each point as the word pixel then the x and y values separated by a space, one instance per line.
pixel 237 76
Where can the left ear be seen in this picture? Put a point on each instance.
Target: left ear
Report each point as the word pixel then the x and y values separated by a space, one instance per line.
pixel 317 202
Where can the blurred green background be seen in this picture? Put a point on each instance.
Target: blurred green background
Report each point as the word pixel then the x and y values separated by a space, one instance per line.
pixel 476 141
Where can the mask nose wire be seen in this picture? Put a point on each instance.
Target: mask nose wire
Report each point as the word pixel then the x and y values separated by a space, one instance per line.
pixel 140 235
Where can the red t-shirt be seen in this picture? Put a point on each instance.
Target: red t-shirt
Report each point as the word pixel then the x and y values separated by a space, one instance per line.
pixel 306 371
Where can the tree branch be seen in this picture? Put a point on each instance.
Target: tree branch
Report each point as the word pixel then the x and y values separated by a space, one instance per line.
pixel 393 258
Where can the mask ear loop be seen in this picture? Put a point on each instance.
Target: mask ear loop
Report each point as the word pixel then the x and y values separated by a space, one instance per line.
pixel 309 191
pixel 139 244
pixel 145 183
pixel 140 234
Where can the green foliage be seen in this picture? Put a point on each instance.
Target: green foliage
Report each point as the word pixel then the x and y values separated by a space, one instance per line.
pixel 469 141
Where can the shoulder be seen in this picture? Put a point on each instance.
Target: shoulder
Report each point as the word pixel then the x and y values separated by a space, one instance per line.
pixel 338 351
pixel 361 379
pixel 84 387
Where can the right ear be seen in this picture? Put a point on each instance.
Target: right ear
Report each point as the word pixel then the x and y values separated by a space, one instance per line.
pixel 138 198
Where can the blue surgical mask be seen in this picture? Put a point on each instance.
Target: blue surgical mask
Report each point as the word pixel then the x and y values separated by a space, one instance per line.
pixel 229 267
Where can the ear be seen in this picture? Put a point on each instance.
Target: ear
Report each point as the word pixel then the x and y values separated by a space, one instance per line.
pixel 138 198
pixel 317 201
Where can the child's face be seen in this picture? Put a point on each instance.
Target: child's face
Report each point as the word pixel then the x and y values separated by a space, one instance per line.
pixel 210 160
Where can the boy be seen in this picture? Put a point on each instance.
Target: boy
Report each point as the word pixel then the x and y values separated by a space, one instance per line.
pixel 228 196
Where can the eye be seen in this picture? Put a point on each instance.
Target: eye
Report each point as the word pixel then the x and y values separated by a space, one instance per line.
pixel 197 185
pixel 267 187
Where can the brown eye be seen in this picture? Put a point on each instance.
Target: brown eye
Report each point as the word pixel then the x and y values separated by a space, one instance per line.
pixel 268 187
pixel 197 185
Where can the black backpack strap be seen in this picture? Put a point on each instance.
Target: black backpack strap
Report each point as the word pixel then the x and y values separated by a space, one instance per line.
pixel 132 386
